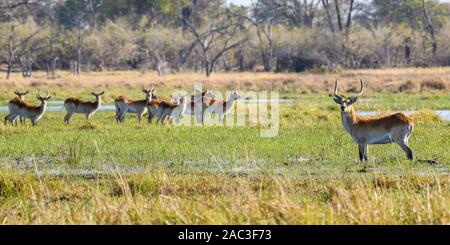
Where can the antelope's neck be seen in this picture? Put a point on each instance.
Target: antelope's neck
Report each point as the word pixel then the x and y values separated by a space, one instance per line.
pixel 229 103
pixel 184 103
pixel 43 106
pixel 349 119
pixel 98 102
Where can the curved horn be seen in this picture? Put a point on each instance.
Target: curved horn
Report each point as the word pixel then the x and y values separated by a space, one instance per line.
pixel 362 88
pixel 335 90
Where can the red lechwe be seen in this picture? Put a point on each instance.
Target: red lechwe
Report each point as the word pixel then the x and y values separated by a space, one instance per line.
pixel 369 131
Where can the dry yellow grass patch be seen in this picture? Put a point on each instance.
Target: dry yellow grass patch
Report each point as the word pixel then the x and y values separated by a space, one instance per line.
pixel 388 80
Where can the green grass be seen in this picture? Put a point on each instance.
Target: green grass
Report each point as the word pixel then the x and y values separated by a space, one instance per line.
pixel 101 172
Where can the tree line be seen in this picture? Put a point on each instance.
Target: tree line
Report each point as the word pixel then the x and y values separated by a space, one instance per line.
pixel 211 35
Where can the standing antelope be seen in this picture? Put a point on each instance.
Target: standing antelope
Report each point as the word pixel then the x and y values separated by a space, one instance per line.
pixel 139 107
pixel 75 105
pixel 170 111
pixel 364 131
pixel 199 102
pixel 222 108
pixel 23 109
pixel 11 106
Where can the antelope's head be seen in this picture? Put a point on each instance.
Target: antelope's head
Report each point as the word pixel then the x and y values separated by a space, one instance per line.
pixel 345 102
pixel 98 96
pixel 235 96
pixel 209 94
pixel 44 99
pixel 175 99
pixel 149 92
pixel 179 98
pixel 199 96
pixel 21 95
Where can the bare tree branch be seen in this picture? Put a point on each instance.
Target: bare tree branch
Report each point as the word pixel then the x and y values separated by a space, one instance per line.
pixel 15 4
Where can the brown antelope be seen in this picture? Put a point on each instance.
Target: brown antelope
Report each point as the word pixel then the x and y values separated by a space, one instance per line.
pixel 20 97
pixel 139 107
pixel 170 111
pixel 199 102
pixel 369 131
pixel 75 105
pixel 222 108
pixel 23 109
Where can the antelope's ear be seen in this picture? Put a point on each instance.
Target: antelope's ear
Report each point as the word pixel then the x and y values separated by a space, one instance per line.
pixel 353 99
pixel 49 97
pixel 26 92
pixel 337 100
pixel 102 93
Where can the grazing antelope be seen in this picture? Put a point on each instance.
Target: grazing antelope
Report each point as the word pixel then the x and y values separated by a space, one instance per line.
pixel 139 107
pixel 222 108
pixel 75 105
pixel 364 131
pixel 22 109
pixel 199 102
pixel 170 111
pixel 20 97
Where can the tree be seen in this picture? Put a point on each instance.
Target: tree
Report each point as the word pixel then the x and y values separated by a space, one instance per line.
pixel 13 4
pixel 110 46
pixel 74 15
pixel 326 6
pixel 349 15
pixel 264 15
pixel 19 37
pixel 429 27
pixel 216 36
pixel 300 12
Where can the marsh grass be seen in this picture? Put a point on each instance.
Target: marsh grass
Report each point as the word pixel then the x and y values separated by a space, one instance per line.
pixel 99 172
pixel 159 196
pixel 217 175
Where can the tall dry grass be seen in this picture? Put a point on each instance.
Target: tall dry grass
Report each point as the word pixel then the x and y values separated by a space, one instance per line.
pixel 378 80
pixel 165 197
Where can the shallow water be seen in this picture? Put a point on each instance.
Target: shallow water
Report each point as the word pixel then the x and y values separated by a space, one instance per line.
pixel 444 114
pixel 59 106
pixel 304 166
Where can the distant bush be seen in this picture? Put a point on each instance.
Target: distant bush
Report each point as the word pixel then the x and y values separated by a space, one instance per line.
pixel 432 85
pixel 305 49
pixel 407 87
pixel 425 116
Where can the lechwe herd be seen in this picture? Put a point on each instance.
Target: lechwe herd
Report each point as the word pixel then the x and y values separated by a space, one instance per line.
pixel 164 111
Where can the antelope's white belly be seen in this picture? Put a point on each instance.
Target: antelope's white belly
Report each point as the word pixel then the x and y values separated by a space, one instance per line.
pixel 197 109
pixel 83 110
pixel 380 139
pixel 132 109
